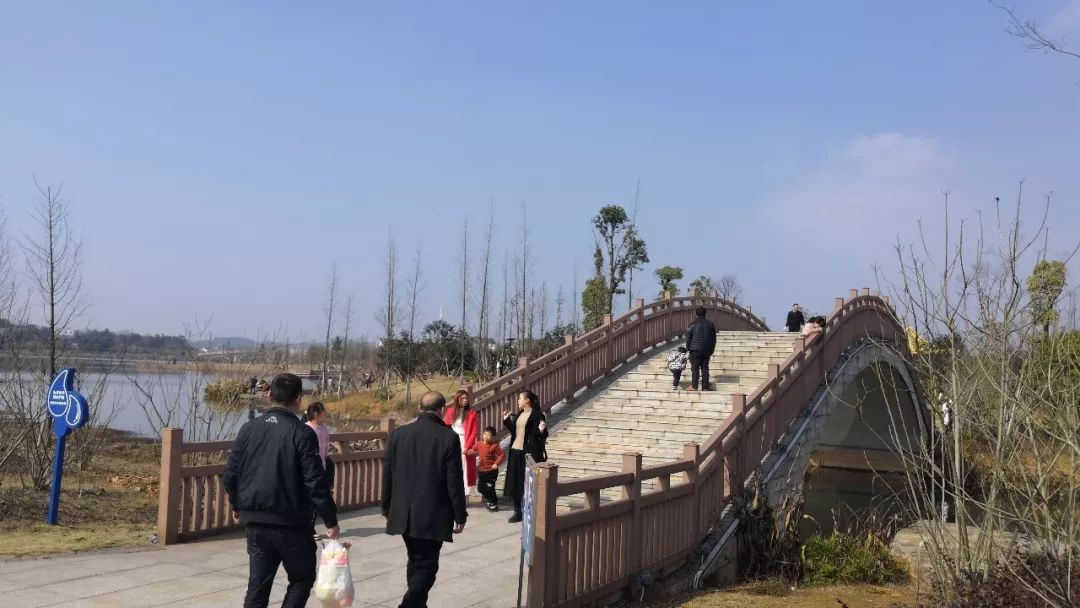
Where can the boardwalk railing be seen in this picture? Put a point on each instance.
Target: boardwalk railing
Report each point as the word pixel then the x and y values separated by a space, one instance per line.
pixel 586 555
pixel 559 374
pixel 192 502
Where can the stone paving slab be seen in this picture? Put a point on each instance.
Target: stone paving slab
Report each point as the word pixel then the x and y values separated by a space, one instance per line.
pixel 478 570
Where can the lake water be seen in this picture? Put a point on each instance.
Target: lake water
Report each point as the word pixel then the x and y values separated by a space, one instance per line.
pixel 143 403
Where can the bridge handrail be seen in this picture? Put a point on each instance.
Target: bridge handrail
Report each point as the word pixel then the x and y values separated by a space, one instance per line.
pixel 192 502
pixel 587 555
pixel 558 374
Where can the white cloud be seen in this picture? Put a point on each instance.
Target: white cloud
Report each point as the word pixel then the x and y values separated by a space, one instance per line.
pixel 823 231
pixel 866 185
pixel 1066 21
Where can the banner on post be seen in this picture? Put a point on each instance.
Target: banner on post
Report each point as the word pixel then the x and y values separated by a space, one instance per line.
pixel 528 507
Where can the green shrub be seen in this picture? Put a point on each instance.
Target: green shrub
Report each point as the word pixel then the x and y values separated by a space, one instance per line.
pixel 845 559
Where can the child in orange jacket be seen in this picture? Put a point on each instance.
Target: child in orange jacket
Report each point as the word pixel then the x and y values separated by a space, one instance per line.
pixel 490 456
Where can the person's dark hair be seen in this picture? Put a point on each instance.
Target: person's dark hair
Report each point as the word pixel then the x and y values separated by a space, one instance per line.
pixel 286 389
pixel 314 410
pixel 490 429
pixel 534 401
pixel 700 312
pixel 682 349
pixel 432 401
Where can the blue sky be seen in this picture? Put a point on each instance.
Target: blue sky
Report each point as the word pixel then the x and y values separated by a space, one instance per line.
pixel 211 151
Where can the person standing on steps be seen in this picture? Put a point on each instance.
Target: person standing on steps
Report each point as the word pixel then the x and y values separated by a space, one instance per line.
pixel 528 435
pixel 424 494
pixel 795 319
pixel 463 419
pixel 701 342
pixel 276 484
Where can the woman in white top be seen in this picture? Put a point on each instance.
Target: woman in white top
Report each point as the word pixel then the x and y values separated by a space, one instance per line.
pixel 463 419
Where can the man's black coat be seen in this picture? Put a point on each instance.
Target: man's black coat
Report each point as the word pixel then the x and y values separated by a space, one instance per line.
pixel 795 320
pixel 423 488
pixel 274 474
pixel 701 337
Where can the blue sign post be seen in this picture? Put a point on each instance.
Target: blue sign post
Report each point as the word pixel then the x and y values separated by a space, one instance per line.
pixel 528 522
pixel 70 411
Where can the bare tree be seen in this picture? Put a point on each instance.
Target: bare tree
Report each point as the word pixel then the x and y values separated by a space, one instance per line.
pixel 482 330
pixel 328 309
pixel 388 315
pixel 729 288
pixel 53 264
pixel 1004 444
pixel 524 266
pixel 1036 38
pixel 636 206
pixel 464 265
pixel 344 358
pixel 415 287
pixel 504 319
pixel 575 304
pixel 559 301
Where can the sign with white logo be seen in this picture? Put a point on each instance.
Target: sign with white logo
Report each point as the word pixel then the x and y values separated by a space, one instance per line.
pixel 69 411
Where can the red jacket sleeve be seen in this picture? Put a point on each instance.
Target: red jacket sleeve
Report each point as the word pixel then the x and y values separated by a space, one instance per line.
pixel 472 433
pixel 500 455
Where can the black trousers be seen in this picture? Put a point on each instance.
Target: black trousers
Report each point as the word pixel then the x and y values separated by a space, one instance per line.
pixel 676 375
pixel 421 570
pixel 699 366
pixel 487 485
pixel 271 546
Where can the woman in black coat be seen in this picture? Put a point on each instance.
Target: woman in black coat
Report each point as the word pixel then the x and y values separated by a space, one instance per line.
pixel 528 435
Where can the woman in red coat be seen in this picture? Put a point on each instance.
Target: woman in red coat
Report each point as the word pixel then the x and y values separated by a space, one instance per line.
pixel 460 417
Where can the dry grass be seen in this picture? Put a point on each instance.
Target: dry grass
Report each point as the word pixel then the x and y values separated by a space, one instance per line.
pixel 112 504
pixel 367 404
pixel 34 539
pixel 774 594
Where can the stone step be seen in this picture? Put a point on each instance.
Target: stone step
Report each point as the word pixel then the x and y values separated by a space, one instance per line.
pixel 661 410
pixel 616 392
pixel 712 401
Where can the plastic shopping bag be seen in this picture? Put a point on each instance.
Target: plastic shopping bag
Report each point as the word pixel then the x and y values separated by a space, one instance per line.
pixel 333 585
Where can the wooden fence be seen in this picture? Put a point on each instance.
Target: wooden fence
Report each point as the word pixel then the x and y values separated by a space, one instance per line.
pixel 586 555
pixel 559 374
pixel 192 502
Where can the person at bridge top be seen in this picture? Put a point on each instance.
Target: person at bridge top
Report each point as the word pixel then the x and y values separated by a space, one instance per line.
pixel 276 484
pixel 795 319
pixel 528 435
pixel 701 342
pixel 463 419
pixel 815 326
pixel 424 494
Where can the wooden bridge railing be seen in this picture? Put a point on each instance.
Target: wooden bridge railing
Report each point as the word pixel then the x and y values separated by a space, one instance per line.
pixel 192 502
pixel 585 555
pixel 559 374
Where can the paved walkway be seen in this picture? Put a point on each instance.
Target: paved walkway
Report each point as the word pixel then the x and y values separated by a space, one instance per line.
pixel 478 570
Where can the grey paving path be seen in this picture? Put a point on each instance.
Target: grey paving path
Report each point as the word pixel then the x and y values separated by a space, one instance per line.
pixel 478 570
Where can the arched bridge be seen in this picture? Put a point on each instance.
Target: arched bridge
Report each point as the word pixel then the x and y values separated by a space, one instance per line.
pixel 643 479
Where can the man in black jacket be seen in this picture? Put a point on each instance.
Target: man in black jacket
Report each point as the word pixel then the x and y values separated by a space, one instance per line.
pixel 276 484
pixel 701 342
pixel 795 319
pixel 424 494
